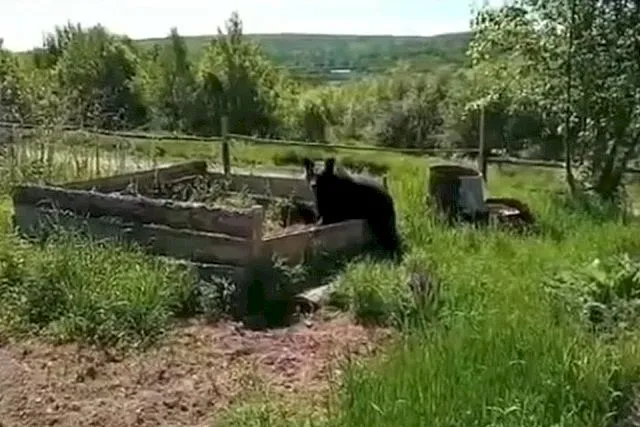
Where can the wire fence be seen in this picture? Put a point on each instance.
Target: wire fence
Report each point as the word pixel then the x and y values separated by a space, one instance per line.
pixel 228 138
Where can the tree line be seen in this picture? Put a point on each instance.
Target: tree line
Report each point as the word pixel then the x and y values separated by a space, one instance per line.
pixel 554 81
pixel 315 53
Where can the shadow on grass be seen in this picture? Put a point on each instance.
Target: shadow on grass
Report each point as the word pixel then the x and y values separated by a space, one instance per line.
pixel 273 284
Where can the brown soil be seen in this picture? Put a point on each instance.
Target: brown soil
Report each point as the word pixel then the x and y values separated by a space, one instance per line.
pixel 200 370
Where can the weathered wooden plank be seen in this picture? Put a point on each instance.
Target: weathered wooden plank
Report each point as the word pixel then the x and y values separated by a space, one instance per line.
pixel 298 246
pixel 119 182
pixel 193 245
pixel 146 210
pixel 156 239
pixel 343 235
pixel 37 222
pixel 272 185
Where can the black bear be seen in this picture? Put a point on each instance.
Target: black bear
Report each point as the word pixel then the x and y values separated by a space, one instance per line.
pixel 340 197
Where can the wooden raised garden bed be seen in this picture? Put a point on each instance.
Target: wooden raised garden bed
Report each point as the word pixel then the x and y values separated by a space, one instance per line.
pixel 219 224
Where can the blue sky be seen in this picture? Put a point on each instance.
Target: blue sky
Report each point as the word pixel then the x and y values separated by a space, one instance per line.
pixel 22 22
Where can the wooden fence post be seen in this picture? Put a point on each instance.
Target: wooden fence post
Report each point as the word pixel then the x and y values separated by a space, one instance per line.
pixel 243 280
pixel 11 153
pixel 224 130
pixel 121 157
pixel 482 158
pixel 256 232
pixel 97 154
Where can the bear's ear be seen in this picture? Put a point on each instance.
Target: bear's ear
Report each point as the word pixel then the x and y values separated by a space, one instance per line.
pixel 307 163
pixel 309 168
pixel 329 165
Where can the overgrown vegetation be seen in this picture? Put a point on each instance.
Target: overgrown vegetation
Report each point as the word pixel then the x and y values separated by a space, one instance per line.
pixel 499 329
pixel 540 87
pixel 502 350
pixel 72 290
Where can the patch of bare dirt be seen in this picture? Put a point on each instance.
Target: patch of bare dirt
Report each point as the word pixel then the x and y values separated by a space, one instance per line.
pixel 200 370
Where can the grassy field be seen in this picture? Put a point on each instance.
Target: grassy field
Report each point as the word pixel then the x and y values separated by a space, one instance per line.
pixel 527 330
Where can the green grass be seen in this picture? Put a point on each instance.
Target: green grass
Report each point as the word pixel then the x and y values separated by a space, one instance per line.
pixel 505 348
pixel 502 352
pixel 70 289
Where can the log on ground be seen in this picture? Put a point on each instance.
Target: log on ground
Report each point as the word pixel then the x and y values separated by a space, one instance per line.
pixel 146 210
pixel 314 298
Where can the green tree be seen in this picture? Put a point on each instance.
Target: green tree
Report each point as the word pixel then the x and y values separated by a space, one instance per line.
pixel 236 80
pixel 581 62
pixel 414 113
pixel 170 85
pixel 54 45
pixel 96 71
pixel 512 121
pixel 315 115
pixel 10 87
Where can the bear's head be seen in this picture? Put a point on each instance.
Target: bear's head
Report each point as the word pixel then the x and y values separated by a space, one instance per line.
pixel 326 178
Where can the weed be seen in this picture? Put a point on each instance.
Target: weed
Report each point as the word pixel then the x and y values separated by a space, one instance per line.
pixel 73 289
pixel 214 298
pixel 605 295
pixel 263 412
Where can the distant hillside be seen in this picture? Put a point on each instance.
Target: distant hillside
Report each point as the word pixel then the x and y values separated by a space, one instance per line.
pixel 308 52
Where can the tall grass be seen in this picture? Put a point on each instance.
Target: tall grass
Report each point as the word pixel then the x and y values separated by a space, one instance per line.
pixel 69 288
pixel 57 161
pixel 72 289
pixel 500 352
